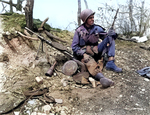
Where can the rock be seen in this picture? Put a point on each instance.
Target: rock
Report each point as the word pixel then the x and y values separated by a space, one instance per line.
pixel 92 81
pixel 52 114
pixel 16 112
pixel 64 82
pixel 140 39
pixel 9 101
pixel 4 57
pixel 60 101
pixel 39 80
pixel 63 113
pixel 146 79
pixel 55 74
pixel 120 96
pixel 36 113
pixel 46 109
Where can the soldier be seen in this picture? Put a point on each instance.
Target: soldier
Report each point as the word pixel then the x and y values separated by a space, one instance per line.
pixel 85 46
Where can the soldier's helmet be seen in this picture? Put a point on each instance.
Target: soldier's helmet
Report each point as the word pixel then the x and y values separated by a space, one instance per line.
pixel 85 14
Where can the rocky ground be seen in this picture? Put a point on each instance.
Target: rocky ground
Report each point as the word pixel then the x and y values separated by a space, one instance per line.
pixel 129 96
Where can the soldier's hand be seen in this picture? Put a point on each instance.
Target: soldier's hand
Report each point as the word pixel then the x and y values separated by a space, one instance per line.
pixel 81 52
pixel 86 57
pixel 112 33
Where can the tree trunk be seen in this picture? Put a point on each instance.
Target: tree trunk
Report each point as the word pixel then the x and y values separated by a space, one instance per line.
pixel 11 6
pixel 29 14
pixel 79 12
pixel 86 4
pixel 18 6
pixel 133 26
pixel 141 19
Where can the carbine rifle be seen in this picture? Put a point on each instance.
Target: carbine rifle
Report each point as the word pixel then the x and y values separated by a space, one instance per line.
pixel 112 26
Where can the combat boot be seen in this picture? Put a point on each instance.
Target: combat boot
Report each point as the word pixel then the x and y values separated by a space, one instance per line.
pixel 110 65
pixel 104 81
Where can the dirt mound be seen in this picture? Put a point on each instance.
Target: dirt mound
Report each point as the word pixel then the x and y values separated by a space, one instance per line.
pixel 130 94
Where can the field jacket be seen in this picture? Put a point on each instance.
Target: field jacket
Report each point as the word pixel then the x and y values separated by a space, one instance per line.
pixel 86 36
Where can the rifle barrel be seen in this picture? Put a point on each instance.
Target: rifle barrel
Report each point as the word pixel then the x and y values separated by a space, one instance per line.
pixel 33 32
pixel 115 17
pixel 48 42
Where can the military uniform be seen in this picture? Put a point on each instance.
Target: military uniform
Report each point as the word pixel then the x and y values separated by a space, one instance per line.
pixel 90 37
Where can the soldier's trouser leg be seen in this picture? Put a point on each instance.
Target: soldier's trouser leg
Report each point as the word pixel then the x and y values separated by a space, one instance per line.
pixel 103 80
pixel 110 65
pixel 104 46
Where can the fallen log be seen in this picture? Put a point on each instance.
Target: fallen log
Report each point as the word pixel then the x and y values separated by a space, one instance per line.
pixel 28 37
pixel 26 33
pixel 54 37
pixel 125 39
pixel 146 48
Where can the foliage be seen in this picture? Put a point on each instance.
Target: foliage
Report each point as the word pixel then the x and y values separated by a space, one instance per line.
pixel 105 16
pixel 132 18
pixel 17 6
pixel 15 21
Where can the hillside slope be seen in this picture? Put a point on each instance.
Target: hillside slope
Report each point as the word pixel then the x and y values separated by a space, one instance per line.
pixel 129 96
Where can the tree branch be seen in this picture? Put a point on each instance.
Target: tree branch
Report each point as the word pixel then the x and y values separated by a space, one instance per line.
pixel 8 3
pixel 28 37
pixel 3 7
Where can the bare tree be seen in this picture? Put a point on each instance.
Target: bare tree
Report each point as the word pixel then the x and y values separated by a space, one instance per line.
pixel 133 26
pixel 3 7
pixel 86 4
pixel 79 12
pixel 132 19
pixel 18 6
pixel 11 6
pixel 106 16
pixel 141 19
pixel 29 13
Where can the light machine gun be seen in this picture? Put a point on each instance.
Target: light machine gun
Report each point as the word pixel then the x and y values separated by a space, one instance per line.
pixel 56 45
pixel 70 66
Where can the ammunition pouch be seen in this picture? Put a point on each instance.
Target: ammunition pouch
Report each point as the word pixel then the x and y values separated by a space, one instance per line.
pixel 91 50
pixel 101 64
pixel 93 38
pixel 91 65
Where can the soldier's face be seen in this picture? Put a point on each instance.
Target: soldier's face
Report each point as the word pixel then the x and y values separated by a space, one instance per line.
pixel 90 20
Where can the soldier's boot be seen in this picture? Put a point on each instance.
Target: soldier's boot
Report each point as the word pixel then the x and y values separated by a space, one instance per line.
pixel 110 65
pixel 104 81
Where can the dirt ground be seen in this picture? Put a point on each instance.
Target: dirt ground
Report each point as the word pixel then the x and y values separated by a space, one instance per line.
pixel 129 96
